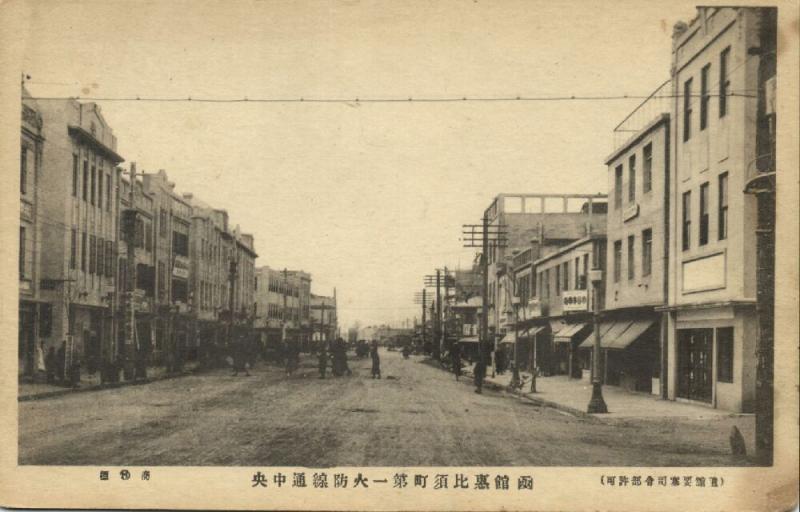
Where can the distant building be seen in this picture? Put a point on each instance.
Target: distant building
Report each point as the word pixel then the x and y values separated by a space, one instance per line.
pixel 324 322
pixel 283 306
pixel 539 223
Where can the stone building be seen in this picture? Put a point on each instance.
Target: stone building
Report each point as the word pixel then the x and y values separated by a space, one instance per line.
pixel 77 203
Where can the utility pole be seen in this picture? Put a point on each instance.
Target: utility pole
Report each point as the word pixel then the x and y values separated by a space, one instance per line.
pixel 421 298
pixel 496 234
pixel 129 357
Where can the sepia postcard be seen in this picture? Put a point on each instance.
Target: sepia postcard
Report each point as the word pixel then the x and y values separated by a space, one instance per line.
pixel 382 255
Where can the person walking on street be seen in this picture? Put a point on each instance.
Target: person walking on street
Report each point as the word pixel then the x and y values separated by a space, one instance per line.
pixel 322 359
pixel 239 358
pixel 376 361
pixel 480 374
pixel 455 354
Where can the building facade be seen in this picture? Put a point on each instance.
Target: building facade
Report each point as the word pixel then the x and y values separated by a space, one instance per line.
pixel 324 321
pixel 78 211
pixel 638 255
pixel 35 315
pixel 712 334
pixel 283 306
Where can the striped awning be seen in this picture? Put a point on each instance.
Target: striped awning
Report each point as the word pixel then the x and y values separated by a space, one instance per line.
pixel 620 334
pixel 566 334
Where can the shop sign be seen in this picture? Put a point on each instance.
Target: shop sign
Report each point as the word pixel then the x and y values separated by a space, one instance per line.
pixel 535 307
pixel 574 300
pixel 630 212
pixel 180 267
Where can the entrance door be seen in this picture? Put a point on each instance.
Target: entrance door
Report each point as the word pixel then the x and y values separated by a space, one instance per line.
pixel 26 341
pixel 694 364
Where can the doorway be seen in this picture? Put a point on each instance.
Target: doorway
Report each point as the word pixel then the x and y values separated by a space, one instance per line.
pixel 695 364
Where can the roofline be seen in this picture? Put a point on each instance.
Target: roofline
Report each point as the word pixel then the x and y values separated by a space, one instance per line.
pixel 567 248
pixel 638 136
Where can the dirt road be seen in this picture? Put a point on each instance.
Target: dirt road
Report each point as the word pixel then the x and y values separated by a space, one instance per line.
pixel 415 416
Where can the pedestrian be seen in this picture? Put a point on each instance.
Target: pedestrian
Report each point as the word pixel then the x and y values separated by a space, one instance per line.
pixel 50 365
pixel 455 354
pixel 61 362
pixel 343 349
pixel 376 361
pixel 322 360
pixel 479 374
pixel 239 358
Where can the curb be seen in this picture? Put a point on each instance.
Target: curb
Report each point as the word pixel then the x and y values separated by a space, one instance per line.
pixel 102 387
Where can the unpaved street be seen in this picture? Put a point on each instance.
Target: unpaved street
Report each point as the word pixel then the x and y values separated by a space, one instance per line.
pixel 416 415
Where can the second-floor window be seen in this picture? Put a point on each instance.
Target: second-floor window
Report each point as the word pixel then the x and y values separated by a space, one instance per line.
pixel 722 223
pixel 75 176
pixel 565 273
pixel 94 182
pixel 83 251
pixel 558 280
pixel 23 170
pixel 704 97
pixel 85 180
pixel 618 186
pixel 647 168
pixel 22 251
pixel 703 234
pixel 687 110
pixel 162 223
pixel 632 178
pixel 647 252
pixel 73 249
pixel 617 260
pixel 686 221
pixel 631 264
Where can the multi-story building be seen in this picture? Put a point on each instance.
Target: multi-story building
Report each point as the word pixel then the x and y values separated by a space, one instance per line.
pixel 245 278
pixel 78 212
pixel 144 267
pixel 557 288
pixel 35 316
pixel 324 321
pixel 174 334
pixel 540 223
pixel 712 322
pixel 283 301
pixel 638 250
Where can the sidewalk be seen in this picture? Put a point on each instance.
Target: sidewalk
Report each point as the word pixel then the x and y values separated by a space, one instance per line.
pixel 39 390
pixel 572 395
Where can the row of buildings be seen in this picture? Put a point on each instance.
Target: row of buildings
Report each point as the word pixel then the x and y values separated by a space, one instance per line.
pixel 121 269
pixel 683 237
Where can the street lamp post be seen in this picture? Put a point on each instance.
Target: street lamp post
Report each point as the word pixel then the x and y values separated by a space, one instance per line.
pixel 596 405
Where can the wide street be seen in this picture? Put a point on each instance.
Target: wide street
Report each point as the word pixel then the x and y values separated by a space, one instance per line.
pixel 417 415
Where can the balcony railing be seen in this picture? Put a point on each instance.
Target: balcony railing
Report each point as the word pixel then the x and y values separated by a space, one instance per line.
pixel 657 103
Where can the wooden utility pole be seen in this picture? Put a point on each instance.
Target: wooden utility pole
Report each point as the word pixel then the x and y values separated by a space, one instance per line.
pixel 129 358
pixel 232 271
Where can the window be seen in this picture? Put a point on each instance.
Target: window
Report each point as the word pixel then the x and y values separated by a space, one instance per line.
pixel 101 261
pixel 92 255
pixel 632 178
pixel 73 249
pixel 558 280
pixel 723 81
pixel 180 244
pixel 631 241
pixel 618 186
pixel 148 237
pixel 74 175
pixel 85 180
pixel 725 354
pixel 647 168
pixel 162 223
pixel 22 252
pixel 585 271
pixel 687 110
pixel 647 252
pixel 94 178
pixel 687 221
pixel 617 260
pixel 123 275
pixel 722 223
pixel 162 279
pixel 100 189
pixel 108 192
pixel 565 273
pixel 703 214
pixel 109 258
pixel 704 97
pixel 83 251
pixel 23 170
pixel 578 273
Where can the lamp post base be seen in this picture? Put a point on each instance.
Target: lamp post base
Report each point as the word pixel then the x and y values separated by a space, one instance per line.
pixel 597 405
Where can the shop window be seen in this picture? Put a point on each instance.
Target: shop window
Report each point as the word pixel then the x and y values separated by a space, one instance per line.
pixel 725 354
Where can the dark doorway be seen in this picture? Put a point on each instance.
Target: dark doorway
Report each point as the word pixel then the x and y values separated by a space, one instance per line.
pixel 695 364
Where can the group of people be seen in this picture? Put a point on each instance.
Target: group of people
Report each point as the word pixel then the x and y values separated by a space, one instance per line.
pixel 337 359
pixel 53 364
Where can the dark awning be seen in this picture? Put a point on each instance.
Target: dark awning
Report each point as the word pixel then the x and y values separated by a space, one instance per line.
pixel 566 334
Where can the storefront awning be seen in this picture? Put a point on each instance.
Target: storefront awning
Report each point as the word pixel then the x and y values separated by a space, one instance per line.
pixel 509 338
pixel 533 331
pixel 469 339
pixel 618 335
pixel 628 336
pixel 566 334
pixel 557 325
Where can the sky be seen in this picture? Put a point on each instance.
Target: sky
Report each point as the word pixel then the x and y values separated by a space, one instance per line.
pixel 367 197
